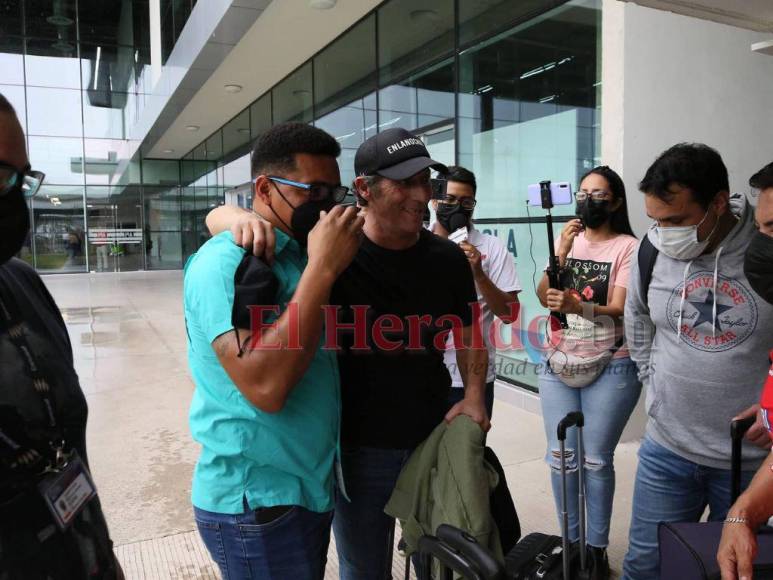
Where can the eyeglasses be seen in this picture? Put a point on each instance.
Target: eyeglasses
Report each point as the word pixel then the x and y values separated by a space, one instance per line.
pixel 27 180
pixel 595 195
pixel 465 202
pixel 317 191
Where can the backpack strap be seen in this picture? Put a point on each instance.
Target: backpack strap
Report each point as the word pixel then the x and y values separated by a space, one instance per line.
pixel 648 254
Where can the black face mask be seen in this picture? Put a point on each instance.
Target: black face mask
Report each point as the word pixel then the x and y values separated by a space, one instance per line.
pixel 453 217
pixel 14 224
pixel 758 265
pixel 305 217
pixel 593 213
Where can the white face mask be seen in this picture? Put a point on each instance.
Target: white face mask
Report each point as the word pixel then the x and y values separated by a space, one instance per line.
pixel 681 243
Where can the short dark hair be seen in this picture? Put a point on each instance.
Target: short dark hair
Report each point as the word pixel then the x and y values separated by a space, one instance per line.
pixel 695 166
pixel 6 106
pixel 763 179
pixel 460 174
pixel 275 150
pixel 618 220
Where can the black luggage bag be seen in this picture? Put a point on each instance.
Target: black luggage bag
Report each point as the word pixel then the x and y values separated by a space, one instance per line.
pixel 545 557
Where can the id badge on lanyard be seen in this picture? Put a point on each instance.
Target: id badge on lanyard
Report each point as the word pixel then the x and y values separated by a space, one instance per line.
pixel 66 486
pixel 67 490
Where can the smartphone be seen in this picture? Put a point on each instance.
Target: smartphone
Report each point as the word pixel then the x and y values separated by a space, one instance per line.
pixel 560 191
pixel 439 187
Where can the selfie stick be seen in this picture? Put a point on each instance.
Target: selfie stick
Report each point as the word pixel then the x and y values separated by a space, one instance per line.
pixel 553 267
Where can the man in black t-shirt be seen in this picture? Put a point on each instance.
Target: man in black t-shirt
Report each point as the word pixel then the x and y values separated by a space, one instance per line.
pixel 395 391
pixel 42 407
pixel 403 289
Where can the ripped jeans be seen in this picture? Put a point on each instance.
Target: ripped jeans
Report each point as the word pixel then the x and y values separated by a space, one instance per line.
pixel 607 403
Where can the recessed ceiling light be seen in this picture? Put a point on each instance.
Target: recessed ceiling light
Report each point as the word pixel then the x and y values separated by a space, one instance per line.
pixel 244 131
pixel 168 150
pixel 301 92
pixel 764 47
pixel 232 89
pixel 60 20
pixel 322 4
pixel 192 128
pixel 63 46
pixel 425 16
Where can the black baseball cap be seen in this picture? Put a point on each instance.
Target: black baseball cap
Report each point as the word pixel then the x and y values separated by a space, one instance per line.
pixel 394 154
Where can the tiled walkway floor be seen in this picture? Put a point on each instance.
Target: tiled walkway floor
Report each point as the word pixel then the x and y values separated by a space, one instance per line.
pixel 129 341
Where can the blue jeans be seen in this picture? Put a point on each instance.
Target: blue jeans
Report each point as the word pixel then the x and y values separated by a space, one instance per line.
pixel 670 488
pixel 361 527
pixel 607 403
pixel 294 545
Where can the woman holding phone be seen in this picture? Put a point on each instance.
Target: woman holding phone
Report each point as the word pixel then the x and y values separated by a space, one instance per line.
pixel 588 367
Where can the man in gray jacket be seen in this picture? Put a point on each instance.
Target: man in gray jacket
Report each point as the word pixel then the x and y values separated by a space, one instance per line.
pixel 700 337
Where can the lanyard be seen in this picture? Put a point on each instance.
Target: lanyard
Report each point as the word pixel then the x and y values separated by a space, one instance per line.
pixel 15 328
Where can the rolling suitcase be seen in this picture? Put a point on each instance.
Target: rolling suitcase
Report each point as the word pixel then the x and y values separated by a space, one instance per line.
pixel 504 514
pixel 535 557
pixel 456 552
pixel 688 551
pixel 545 557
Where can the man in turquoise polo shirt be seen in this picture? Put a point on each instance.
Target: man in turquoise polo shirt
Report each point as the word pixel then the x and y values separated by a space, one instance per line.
pixel 266 408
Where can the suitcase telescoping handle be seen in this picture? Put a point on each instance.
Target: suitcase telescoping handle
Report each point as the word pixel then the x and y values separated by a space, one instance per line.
pixel 738 429
pixel 451 560
pixel 572 419
pixel 577 419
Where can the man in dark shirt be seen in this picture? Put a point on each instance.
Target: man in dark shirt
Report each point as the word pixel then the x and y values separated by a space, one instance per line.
pixel 42 407
pixel 395 391
pixel 403 289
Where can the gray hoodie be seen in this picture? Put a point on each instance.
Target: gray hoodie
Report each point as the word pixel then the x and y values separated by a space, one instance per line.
pixel 702 354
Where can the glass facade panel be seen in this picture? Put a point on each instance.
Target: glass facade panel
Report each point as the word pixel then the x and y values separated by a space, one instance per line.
pixel 345 70
pixel 236 134
pixel 344 91
pixel 174 15
pixel 85 65
pixel 52 63
pixel 104 114
pixel 107 162
pixel 160 172
pixel 480 19
pixel 47 19
pixel 292 99
pixel 350 125
pixel 113 22
pixel 237 171
pixel 162 208
pixel 11 55
pixel 163 240
pixel 164 251
pixel 61 159
pixel 115 233
pixel 15 95
pixel 10 19
pixel 260 116
pixel 519 88
pixel 60 120
pixel 109 68
pixel 189 224
pixel 58 229
pixel 413 34
pixel 424 104
pixel 214 147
